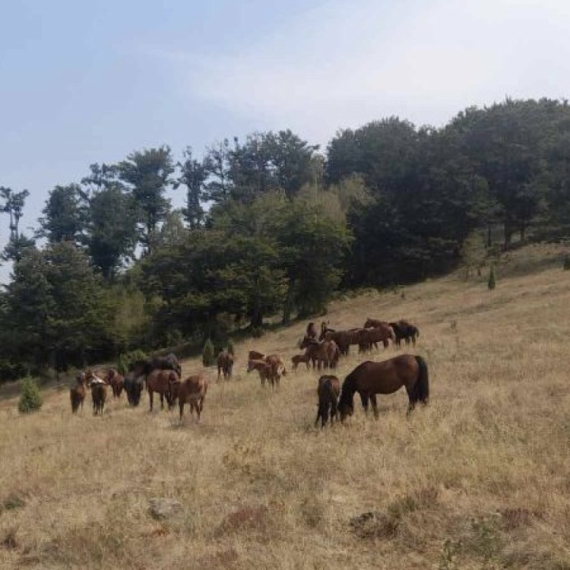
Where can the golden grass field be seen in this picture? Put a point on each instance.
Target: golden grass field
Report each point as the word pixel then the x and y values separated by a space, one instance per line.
pixel 479 479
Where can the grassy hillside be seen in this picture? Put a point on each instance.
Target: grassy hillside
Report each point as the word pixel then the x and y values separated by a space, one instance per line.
pixel 478 479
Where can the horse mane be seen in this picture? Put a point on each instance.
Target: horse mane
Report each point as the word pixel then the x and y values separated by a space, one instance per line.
pixel 348 390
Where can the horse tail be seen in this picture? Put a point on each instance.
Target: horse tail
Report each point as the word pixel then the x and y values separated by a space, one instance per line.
pixel 421 389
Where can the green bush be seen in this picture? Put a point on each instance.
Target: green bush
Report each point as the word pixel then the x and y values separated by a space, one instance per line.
pixel 125 360
pixel 257 332
pixel 31 398
pixel 491 282
pixel 208 354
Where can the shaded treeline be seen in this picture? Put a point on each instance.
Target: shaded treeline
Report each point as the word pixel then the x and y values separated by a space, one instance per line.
pixel 270 226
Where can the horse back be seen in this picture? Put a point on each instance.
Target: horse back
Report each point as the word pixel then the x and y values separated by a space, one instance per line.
pixel 387 376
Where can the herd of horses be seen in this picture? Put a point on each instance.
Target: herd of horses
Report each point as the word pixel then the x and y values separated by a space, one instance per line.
pixel 163 375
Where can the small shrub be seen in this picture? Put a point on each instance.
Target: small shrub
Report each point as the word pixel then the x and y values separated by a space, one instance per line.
pixel 231 348
pixel 31 398
pixel 208 353
pixel 566 265
pixel 491 283
pixel 125 360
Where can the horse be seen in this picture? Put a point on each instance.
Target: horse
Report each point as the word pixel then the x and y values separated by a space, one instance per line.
pixel 98 391
pixel 371 378
pixel 373 323
pixel 277 366
pixel 324 352
pixel 192 391
pixel 225 364
pixel 133 384
pixel 405 330
pixel 298 358
pixel 159 381
pixel 342 338
pixel 371 336
pixel 77 393
pixel 311 331
pixel 168 362
pixel 254 355
pixel 328 390
pixel 116 381
pixel 265 371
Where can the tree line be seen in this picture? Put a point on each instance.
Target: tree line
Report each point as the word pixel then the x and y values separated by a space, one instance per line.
pixel 270 227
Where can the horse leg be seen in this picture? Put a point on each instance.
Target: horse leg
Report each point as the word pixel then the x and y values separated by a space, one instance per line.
pixel 374 405
pixel 364 400
pixel 181 406
pixel 151 398
pixel 412 399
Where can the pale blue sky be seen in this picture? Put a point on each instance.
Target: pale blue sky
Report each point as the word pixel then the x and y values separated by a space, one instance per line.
pixel 84 82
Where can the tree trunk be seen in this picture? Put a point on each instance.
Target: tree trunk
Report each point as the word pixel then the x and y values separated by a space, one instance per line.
pixel 288 308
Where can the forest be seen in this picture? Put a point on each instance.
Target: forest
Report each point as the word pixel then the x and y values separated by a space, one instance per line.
pixel 272 227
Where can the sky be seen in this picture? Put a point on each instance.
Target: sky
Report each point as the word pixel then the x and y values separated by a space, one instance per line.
pixel 85 82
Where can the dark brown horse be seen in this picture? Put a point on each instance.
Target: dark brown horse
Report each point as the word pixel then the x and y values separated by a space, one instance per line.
pixel 371 378
pixel 406 331
pixel 77 392
pixel 372 323
pixel 159 381
pixel 191 391
pixel 327 391
pixel 98 391
pixel 116 381
pixel 225 364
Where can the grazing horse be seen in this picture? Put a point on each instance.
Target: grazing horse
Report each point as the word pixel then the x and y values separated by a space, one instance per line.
pixel 77 393
pixel 168 362
pixel 225 364
pixel 324 352
pixel 192 391
pixel 298 358
pixel 134 384
pixel 311 330
pixel 371 378
pixel 265 371
pixel 327 391
pixel 98 391
pixel 116 381
pixel 159 381
pixel 405 330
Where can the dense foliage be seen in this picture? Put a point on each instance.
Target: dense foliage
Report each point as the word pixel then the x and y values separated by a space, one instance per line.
pixel 270 227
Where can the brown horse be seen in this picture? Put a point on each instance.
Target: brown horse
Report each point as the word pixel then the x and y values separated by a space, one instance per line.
pixel 311 330
pixel 343 339
pixel 265 371
pixel 371 378
pixel 298 358
pixel 98 391
pixel 373 323
pixel 327 391
pixel 371 336
pixel 254 355
pixel 159 381
pixel 225 364
pixel 116 381
pixel 324 352
pixel 190 391
pixel 77 392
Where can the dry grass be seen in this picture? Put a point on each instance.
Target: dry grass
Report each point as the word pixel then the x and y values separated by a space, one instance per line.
pixel 478 479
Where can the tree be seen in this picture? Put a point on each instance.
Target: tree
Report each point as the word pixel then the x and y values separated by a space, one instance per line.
pixel 216 166
pixel 148 174
pixel 64 215
pixel 14 205
pixel 55 309
pixel 193 176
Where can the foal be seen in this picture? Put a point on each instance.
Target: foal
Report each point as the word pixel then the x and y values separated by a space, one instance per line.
pixel 192 391
pixel 328 391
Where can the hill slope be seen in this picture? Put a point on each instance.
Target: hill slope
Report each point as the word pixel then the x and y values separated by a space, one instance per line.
pixel 478 479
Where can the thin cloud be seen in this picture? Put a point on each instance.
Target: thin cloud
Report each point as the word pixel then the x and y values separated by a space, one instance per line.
pixel 343 65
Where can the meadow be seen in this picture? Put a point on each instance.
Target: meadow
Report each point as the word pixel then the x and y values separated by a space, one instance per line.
pixel 478 479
